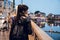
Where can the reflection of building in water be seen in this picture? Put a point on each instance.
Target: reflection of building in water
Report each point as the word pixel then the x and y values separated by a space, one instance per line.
pixel 53 19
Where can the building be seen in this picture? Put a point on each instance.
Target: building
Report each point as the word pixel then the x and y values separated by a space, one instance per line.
pixel 6 8
pixel 57 19
pixel 1 6
pixel 54 19
pixel 41 18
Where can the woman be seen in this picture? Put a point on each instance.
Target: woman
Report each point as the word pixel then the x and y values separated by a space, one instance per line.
pixel 21 24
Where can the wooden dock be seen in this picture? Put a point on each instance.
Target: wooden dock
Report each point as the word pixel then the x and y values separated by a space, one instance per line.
pixel 5 36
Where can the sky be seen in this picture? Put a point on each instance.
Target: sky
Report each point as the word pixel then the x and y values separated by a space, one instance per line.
pixel 46 6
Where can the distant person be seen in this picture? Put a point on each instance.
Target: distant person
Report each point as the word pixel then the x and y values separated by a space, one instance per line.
pixel 20 27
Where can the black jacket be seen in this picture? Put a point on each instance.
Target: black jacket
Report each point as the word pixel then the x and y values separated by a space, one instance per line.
pixel 22 31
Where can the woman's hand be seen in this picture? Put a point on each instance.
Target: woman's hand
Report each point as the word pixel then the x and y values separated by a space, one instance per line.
pixel 23 17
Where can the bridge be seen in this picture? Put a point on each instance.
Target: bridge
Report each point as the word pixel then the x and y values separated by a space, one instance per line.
pixel 38 34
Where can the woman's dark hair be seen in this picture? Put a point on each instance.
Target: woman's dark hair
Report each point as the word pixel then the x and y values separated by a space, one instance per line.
pixel 20 10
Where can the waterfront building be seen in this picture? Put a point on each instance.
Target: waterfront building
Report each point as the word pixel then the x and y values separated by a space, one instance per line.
pixel 6 10
pixel 41 18
pixel 53 19
pixel 57 19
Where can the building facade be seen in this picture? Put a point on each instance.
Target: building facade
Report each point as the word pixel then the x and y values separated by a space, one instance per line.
pixel 1 6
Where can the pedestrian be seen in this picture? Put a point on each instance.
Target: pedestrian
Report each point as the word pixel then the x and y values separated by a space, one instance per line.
pixel 20 27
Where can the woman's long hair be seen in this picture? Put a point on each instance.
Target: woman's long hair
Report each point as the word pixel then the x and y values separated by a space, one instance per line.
pixel 20 10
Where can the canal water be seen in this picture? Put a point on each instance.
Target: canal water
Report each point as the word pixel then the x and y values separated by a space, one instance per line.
pixel 52 31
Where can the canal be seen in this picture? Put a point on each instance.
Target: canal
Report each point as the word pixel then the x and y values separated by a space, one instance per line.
pixel 52 31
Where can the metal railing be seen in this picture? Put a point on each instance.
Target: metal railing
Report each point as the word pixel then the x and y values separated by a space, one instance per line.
pixel 38 33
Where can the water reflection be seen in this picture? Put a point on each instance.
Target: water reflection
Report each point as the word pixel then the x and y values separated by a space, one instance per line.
pixel 52 29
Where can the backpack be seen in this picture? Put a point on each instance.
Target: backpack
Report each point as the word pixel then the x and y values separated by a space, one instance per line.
pixel 18 28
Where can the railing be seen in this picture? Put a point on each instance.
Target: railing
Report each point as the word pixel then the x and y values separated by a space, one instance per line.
pixel 38 33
